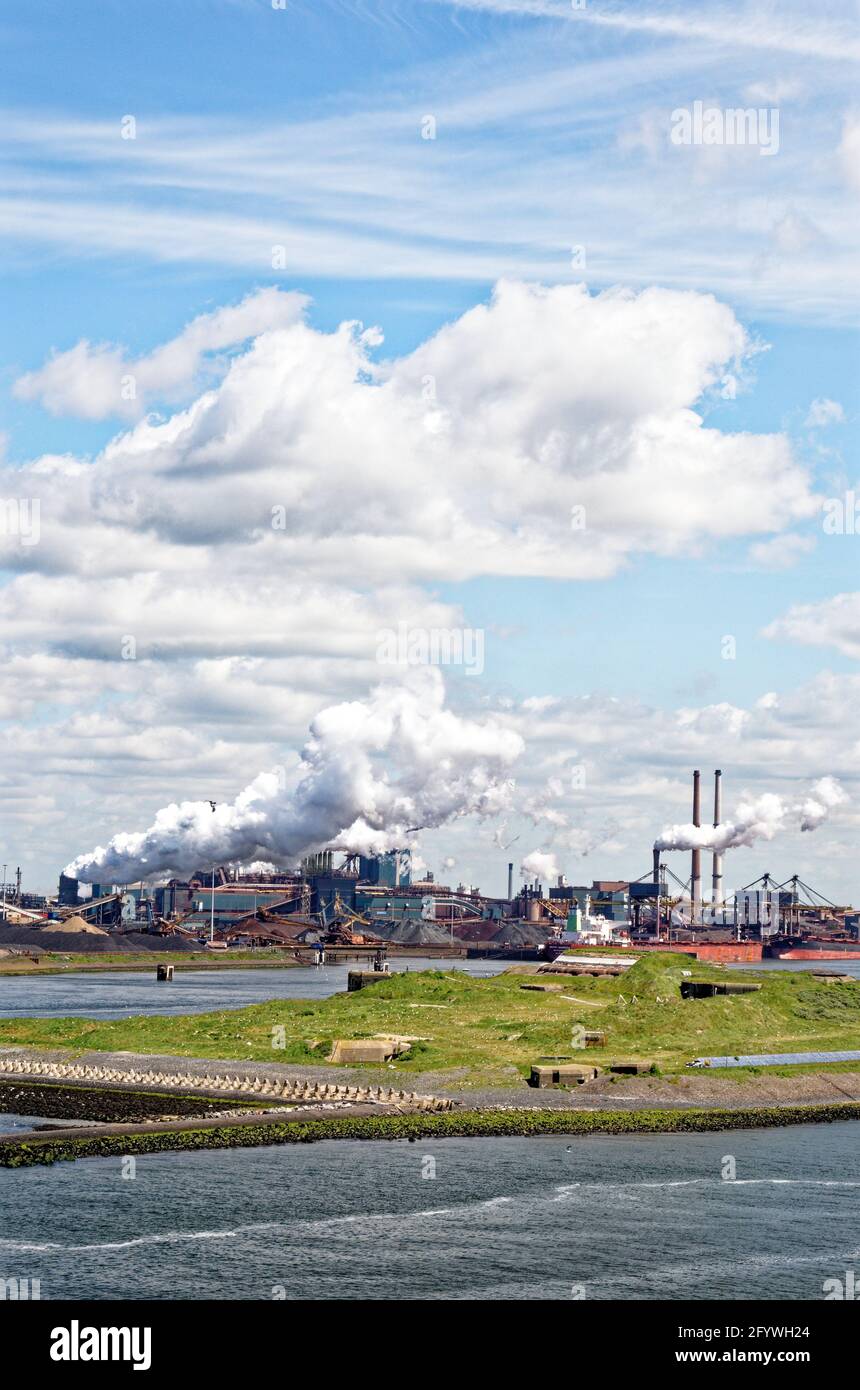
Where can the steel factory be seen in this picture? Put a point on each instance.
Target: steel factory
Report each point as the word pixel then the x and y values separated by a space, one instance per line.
pixel 338 902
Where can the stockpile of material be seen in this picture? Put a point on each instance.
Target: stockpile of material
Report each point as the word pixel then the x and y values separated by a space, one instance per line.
pixel 411 933
pixel 72 926
pixel 56 936
pixel 522 934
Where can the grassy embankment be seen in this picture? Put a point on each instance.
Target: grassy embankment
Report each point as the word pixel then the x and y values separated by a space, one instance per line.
pixel 468 1124
pixel 490 1031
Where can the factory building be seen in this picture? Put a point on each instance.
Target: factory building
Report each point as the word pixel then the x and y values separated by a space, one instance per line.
pixel 391 870
pixel 609 898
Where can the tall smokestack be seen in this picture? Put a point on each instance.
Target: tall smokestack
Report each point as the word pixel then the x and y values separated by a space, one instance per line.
pixel 510 882
pixel 717 879
pixel 656 866
pixel 696 868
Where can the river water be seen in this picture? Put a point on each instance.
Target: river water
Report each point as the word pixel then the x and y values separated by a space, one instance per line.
pixel 119 994
pixel 836 967
pixel 523 1219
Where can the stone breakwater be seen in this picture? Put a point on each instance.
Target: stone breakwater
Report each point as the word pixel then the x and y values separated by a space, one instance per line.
pixel 264 1087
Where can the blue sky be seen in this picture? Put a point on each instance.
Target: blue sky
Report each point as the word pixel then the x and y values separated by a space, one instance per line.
pixel 302 128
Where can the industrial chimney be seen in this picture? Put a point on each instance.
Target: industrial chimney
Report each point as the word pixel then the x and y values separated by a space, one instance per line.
pixel 696 868
pixel 717 880
pixel 510 882
pixel 656 866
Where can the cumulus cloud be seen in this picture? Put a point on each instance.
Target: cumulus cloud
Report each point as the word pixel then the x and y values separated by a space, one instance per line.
pixel 371 772
pixel 99 381
pixel 834 622
pixel 549 432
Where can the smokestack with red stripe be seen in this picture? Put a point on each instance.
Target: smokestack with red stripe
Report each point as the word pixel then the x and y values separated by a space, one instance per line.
pixel 696 868
pixel 717 879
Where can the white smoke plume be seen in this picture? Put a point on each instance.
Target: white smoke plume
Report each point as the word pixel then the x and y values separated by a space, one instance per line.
pixel 540 864
pixel 371 772
pixel 759 819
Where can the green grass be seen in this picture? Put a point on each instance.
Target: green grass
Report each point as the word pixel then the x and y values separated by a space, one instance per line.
pixel 489 1029
pixel 465 1124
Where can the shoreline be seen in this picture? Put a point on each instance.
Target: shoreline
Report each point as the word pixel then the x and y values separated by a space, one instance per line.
pixel 180 961
pixel 27 1151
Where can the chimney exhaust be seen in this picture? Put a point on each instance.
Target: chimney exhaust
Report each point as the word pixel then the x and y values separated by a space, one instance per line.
pixel 717 879
pixel 696 866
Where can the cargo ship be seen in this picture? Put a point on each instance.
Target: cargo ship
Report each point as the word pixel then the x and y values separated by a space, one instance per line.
pixel 813 948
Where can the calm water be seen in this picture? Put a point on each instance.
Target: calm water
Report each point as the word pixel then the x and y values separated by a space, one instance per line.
pixel 10 1123
pixel 115 994
pixel 524 1219
pixel 840 967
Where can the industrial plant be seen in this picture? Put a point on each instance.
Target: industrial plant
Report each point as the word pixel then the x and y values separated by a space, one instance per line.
pixel 351 902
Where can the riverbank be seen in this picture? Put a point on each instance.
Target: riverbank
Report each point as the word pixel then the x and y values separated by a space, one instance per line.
pixel 50 963
pixel 262 958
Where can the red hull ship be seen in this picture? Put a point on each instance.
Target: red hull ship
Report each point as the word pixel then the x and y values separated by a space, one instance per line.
pixel 814 948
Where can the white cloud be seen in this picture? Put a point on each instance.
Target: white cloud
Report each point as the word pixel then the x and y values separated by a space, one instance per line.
pixel 794 29
pixel 549 432
pixel 780 552
pixel 834 622
pixel 823 412
pixel 99 381
pixel 849 150
pixel 773 91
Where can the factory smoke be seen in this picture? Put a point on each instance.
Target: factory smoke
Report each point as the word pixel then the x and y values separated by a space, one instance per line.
pixel 761 818
pixel 370 772
pixel 540 865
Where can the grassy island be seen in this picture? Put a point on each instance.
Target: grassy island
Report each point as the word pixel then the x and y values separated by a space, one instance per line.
pixel 487 1028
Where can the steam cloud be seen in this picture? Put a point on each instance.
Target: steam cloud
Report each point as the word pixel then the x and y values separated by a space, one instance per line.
pixel 759 819
pixel 370 772
pixel 541 865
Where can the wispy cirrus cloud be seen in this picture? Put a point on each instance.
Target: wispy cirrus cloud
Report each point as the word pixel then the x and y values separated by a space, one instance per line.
pixel 543 143
pixel 789 29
